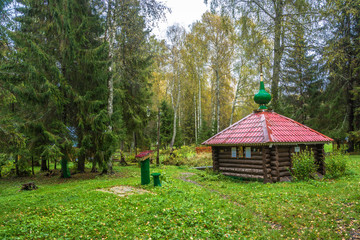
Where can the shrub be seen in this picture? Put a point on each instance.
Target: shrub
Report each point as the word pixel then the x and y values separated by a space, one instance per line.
pixel 7 166
pixel 336 164
pixel 186 156
pixel 303 165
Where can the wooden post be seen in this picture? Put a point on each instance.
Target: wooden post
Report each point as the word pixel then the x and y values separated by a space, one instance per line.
pixel 266 179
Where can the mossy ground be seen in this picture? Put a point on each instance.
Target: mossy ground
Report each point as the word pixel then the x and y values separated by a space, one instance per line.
pixel 215 208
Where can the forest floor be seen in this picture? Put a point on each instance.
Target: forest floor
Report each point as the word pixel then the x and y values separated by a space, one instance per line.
pixel 190 204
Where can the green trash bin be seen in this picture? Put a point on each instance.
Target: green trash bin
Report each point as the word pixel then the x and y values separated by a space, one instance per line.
pixel 145 171
pixel 157 182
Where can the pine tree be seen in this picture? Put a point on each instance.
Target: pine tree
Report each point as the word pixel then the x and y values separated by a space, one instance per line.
pixel 342 53
pixel 301 82
pixel 166 125
pixel 133 70
pixel 62 69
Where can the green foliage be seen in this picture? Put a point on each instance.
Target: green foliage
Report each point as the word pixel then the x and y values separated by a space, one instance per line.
pixel 328 148
pixel 303 165
pixel 336 164
pixel 210 175
pixel 186 156
pixel 6 165
pixel 166 123
pixel 205 132
pixel 133 60
pixel 302 82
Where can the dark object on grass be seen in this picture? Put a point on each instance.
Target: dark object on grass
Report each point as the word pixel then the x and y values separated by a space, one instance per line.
pixel 50 173
pixel 203 167
pixel 29 186
pixel 317 175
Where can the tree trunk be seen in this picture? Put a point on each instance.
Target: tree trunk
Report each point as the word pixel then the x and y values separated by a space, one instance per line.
pixel 217 100
pixel 134 143
pixel 199 103
pixel 81 156
pixel 17 172
pixel 195 121
pixel 278 51
pixel 158 140
pixel 43 164
pixel 351 82
pixel 235 99
pixel 175 118
pixel 32 166
pixel 81 163
pixel 93 167
pixel 110 108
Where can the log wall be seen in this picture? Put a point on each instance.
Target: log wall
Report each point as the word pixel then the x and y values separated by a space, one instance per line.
pixel 240 166
pixel 215 157
pixel 270 164
pixel 280 162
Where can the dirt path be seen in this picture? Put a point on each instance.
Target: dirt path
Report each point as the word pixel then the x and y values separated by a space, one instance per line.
pixel 185 177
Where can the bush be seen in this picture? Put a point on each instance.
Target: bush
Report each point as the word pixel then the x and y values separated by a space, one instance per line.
pixel 7 166
pixel 186 156
pixel 303 165
pixel 336 164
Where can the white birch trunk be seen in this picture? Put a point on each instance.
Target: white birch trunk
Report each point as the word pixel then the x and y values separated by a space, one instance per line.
pixel 235 99
pixel 195 118
pixel 217 100
pixel 175 117
pixel 111 35
pixel 199 103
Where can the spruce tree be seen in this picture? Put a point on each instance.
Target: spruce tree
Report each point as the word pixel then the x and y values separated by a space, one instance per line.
pixel 62 73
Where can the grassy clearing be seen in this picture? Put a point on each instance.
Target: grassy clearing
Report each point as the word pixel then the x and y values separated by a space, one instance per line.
pixel 219 208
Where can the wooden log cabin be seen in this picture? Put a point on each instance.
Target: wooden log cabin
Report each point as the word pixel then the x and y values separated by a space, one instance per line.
pixel 261 145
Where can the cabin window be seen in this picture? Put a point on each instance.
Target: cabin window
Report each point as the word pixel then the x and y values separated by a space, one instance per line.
pixel 297 149
pixel 233 152
pixel 248 152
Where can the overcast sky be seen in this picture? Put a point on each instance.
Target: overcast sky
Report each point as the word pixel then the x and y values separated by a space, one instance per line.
pixel 183 12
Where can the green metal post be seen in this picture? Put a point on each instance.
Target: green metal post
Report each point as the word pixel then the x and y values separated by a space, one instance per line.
pixel 157 182
pixel 145 171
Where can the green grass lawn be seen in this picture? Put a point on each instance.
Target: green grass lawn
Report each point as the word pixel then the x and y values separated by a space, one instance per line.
pixel 209 207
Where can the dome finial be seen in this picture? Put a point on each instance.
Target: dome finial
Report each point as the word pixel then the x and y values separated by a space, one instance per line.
pixel 262 97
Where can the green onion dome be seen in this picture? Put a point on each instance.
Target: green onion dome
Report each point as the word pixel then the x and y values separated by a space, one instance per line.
pixel 262 97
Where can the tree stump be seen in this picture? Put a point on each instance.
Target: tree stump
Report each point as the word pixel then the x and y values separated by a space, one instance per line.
pixel 28 186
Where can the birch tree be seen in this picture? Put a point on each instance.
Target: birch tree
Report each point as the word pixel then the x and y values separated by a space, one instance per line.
pixel 176 35
pixel 220 39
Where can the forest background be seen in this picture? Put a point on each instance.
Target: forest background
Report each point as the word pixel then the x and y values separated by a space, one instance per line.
pixel 90 74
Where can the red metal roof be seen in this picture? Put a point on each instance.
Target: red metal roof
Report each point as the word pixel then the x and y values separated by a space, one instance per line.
pixel 143 154
pixel 263 127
